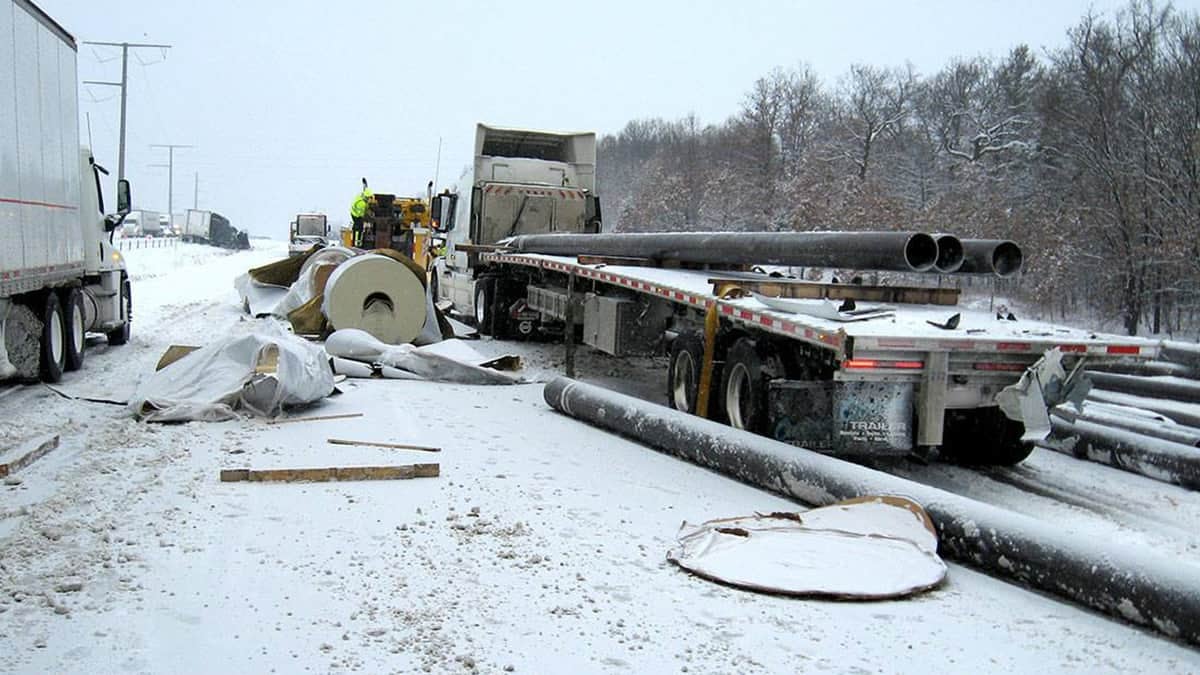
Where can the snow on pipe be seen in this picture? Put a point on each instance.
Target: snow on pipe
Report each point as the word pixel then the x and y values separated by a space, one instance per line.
pixel 991 256
pixel 1160 459
pixel 1176 411
pixel 1123 582
pixel 950 253
pixel 1154 386
pixel 1145 368
pixel 1146 424
pixel 1187 353
pixel 895 251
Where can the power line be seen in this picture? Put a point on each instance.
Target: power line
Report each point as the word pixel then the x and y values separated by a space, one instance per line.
pixel 123 84
pixel 170 174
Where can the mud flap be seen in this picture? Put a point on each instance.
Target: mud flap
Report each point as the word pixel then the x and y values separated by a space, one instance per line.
pixel 7 369
pixel 1044 385
pixel 843 418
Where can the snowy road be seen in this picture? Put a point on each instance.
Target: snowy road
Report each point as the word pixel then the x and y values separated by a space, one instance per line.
pixel 539 549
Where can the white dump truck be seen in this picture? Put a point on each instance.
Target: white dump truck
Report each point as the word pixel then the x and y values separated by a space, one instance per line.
pixel 60 276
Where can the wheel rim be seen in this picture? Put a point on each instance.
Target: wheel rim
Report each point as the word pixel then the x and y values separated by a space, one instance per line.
pixel 76 327
pixel 57 337
pixel 480 299
pixel 737 390
pixel 683 382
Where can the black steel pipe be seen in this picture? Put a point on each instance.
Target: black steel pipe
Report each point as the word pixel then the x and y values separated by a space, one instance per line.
pixel 950 253
pixel 991 256
pixel 1162 460
pixel 1153 386
pixel 1141 424
pixel 1187 353
pixel 1145 368
pixel 895 251
pixel 1121 581
pixel 1176 411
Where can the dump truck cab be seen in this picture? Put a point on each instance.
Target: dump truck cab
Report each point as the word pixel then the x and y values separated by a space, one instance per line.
pixel 522 182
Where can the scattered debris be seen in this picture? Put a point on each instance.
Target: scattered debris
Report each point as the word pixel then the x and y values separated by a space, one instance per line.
pixel 870 548
pixel 313 418
pixel 378 444
pixel 20 456
pixel 257 373
pixel 434 362
pixel 335 473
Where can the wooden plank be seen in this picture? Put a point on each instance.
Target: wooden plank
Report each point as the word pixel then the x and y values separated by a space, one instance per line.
pixel 380 444
pixel 315 418
pixel 795 288
pixel 27 454
pixel 478 248
pixel 173 354
pixel 333 473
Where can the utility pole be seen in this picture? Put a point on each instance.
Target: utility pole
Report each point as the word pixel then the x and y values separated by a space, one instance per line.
pixel 125 47
pixel 196 192
pixel 170 176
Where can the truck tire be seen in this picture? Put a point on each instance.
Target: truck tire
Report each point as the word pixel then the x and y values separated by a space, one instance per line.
pixel 747 373
pixel 683 376
pixel 486 318
pixel 54 339
pixel 120 335
pixel 75 329
pixel 984 437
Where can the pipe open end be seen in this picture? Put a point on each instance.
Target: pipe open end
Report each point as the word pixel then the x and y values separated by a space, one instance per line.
pixel 1006 259
pixel 950 253
pixel 921 252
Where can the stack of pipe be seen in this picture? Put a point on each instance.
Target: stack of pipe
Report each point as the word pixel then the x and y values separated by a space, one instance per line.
pixel 891 251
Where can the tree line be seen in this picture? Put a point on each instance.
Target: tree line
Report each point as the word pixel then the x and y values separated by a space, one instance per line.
pixel 1088 156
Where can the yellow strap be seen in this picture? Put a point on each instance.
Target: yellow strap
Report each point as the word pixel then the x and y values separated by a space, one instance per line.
pixel 712 321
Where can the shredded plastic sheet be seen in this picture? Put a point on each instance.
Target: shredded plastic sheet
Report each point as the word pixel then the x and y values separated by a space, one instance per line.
pixel 259 374
pixel 436 363
pixel 870 548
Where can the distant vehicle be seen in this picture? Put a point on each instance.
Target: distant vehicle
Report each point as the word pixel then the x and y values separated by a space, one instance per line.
pixel 208 227
pixel 164 225
pixel 306 230
pixel 142 223
pixel 60 276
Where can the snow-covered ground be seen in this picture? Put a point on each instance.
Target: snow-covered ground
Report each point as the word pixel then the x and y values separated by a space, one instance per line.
pixel 540 548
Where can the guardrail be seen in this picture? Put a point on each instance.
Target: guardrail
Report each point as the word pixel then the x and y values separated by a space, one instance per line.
pixel 131 243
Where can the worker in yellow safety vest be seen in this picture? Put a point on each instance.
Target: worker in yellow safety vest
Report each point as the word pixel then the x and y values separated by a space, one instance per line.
pixel 358 209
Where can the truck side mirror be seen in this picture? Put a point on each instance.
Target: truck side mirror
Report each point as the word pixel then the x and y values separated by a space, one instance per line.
pixel 443 212
pixel 124 197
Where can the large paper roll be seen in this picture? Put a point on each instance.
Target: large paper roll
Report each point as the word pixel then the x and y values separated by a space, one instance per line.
pixel 376 294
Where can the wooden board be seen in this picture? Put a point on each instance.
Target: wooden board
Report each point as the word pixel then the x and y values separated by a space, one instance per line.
pixel 795 288
pixel 333 473
pixel 21 456
pixel 315 418
pixel 380 444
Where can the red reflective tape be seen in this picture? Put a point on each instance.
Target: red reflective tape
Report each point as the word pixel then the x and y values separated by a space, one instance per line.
pixel 745 314
pixel 789 327
pixel 678 295
pixel 48 205
pixel 808 333
pixel 1013 346
pixel 726 309
pixel 1124 349
pixel 766 321
pixel 1073 348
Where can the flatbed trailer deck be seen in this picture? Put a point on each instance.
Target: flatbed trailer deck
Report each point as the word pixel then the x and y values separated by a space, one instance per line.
pixel 907 357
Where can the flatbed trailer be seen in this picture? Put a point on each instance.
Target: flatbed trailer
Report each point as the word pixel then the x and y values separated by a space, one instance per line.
pixel 912 377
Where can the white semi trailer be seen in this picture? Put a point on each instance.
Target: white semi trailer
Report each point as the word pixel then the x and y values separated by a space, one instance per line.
pixel 60 276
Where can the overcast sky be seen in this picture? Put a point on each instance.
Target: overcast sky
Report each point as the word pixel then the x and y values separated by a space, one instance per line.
pixel 290 104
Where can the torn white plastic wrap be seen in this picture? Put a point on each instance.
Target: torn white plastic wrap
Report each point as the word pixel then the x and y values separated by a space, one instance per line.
pixel 304 288
pixel 870 548
pixel 260 374
pixel 258 299
pixel 438 362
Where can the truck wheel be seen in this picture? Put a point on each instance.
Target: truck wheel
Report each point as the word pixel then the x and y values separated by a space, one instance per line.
pixel 73 312
pixel 984 436
pixel 54 339
pixel 120 335
pixel 486 319
pixel 683 376
pixel 749 369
